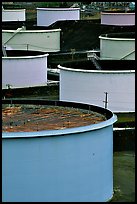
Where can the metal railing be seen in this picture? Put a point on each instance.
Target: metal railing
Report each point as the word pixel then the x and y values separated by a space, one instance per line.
pixel 29 46
pixel 127 55
pixel 93 57
pixel 16 31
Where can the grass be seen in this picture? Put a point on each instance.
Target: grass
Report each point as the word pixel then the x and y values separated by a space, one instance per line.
pixel 124 117
pixel 125 120
pixel 124 177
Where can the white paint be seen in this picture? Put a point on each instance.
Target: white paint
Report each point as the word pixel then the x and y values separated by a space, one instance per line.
pixel 13 15
pixel 119 19
pixel 117 48
pixel 40 40
pixel 24 71
pixel 88 86
pixel 47 16
pixel 119 129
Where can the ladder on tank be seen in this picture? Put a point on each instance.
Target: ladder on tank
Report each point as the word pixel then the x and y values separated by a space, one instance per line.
pixel 16 31
pixel 94 58
pixel 4 51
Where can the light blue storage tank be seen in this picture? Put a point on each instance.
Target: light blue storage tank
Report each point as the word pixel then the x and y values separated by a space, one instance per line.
pixel 66 165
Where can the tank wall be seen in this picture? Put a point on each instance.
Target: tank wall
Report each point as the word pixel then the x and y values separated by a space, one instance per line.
pixel 75 167
pixel 90 88
pixel 40 41
pixel 24 72
pixel 47 17
pixel 6 36
pixel 117 49
pixel 13 15
pixel 121 19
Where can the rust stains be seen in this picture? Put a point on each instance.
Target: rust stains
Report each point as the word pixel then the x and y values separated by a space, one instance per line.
pixel 22 118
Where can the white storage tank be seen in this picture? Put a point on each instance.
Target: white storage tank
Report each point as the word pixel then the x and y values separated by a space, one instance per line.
pixel 118 18
pixel 13 15
pixel 24 69
pixel 85 84
pixel 38 39
pixel 68 163
pixel 48 16
pixel 118 46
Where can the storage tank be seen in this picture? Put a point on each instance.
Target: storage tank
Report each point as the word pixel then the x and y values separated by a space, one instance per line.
pixel 24 69
pixel 38 39
pixel 113 85
pixel 118 46
pixel 119 18
pixel 71 160
pixel 13 15
pixel 48 16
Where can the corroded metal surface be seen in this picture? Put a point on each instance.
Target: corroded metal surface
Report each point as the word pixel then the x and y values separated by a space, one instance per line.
pixel 18 118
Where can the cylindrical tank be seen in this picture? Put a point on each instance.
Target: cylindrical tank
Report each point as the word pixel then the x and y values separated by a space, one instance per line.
pixel 118 46
pixel 24 69
pixel 13 15
pixel 90 86
pixel 118 18
pixel 64 165
pixel 40 40
pixel 47 16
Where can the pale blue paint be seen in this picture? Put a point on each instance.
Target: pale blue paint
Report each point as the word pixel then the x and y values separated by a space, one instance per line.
pixel 60 132
pixel 71 167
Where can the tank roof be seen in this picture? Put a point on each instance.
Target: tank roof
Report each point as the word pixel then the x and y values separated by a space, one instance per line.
pixel 20 53
pixel 37 115
pixel 120 35
pixel 104 64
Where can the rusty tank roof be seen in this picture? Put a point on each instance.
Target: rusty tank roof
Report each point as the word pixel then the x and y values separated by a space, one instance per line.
pixel 29 118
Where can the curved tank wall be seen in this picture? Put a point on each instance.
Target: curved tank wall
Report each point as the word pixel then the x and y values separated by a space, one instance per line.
pixel 89 86
pixel 67 165
pixel 47 16
pixel 119 19
pixel 13 15
pixel 116 46
pixel 40 40
pixel 24 71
